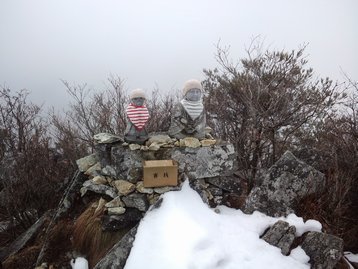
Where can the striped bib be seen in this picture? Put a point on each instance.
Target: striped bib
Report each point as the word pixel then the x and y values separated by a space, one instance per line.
pixel 194 109
pixel 138 115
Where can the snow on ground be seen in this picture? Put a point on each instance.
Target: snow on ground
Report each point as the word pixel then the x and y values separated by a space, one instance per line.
pixel 184 233
pixel 351 257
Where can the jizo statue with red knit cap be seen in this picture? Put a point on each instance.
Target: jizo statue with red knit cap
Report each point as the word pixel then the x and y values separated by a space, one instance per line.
pixel 188 116
pixel 137 118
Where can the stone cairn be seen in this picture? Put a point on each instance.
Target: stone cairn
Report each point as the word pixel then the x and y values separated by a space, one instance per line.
pixel 115 172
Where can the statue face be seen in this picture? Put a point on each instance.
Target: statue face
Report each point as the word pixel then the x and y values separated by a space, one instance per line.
pixel 138 101
pixel 193 95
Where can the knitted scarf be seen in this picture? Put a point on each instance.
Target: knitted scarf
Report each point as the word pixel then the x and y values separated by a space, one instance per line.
pixel 138 115
pixel 194 109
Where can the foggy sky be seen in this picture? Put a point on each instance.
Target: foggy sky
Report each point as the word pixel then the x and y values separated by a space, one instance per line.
pixel 161 43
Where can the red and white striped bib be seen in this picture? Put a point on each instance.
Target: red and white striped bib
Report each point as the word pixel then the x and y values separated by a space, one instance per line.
pixel 138 115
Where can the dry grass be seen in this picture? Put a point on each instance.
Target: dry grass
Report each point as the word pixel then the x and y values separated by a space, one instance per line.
pixel 26 259
pixel 88 237
pixel 336 208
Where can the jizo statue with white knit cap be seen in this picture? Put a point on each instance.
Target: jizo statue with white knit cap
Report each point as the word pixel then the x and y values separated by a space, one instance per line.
pixel 137 118
pixel 188 116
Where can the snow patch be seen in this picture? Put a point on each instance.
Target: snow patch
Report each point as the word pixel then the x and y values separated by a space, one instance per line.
pixel 184 233
pixel 79 263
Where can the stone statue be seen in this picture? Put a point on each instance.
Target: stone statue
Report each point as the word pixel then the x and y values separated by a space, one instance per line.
pixel 188 116
pixel 137 117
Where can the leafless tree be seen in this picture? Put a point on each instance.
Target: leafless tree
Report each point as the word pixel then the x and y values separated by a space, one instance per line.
pixel 31 175
pixel 264 102
pixel 91 112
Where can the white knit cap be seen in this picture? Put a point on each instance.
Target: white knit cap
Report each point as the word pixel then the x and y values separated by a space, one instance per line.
pixel 192 84
pixel 137 93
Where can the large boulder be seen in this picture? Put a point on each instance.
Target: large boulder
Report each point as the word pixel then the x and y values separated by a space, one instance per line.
pixel 286 182
pixel 323 249
pixel 205 162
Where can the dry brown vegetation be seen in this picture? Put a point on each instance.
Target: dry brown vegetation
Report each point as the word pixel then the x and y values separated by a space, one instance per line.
pixel 88 237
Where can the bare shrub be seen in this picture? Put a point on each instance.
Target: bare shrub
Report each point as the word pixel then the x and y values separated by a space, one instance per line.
pixel 262 103
pixel 160 108
pixel 270 102
pixel 92 112
pixel 334 150
pixel 31 172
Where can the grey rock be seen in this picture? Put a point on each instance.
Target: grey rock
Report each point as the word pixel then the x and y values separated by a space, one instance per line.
pixel 207 142
pixel 281 235
pixel 229 183
pixel 86 162
pixel 200 188
pixel 116 210
pixel 99 180
pixel 154 147
pixel 190 142
pixel 161 190
pixel 153 198
pixel 114 223
pixel 94 170
pixel 157 204
pixel 140 188
pixel 286 182
pixel 107 138
pixel 323 249
pixel 116 202
pixel 136 200
pixel 116 258
pixel 144 148
pixel 104 153
pixel 124 187
pixel 159 139
pixel 100 189
pixel 128 164
pixel 134 146
pixel 109 171
pixel 215 191
pixel 205 162
pixel 87 183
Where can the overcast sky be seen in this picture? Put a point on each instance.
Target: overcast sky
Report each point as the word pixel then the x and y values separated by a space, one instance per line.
pixel 161 43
